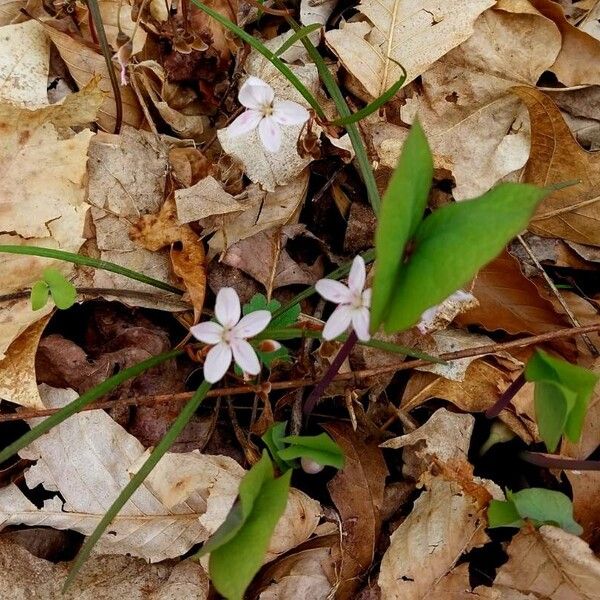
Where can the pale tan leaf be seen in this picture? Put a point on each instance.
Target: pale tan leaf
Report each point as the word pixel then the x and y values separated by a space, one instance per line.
pixel 412 33
pixel 24 58
pixel 552 564
pixel 204 199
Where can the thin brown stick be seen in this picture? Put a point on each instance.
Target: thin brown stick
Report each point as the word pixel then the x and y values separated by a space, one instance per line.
pixel 357 376
pixel 551 461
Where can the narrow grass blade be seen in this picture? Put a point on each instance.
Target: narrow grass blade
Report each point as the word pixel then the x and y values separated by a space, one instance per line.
pixel 163 446
pixel 260 47
pixel 298 35
pixel 87 261
pixel 96 392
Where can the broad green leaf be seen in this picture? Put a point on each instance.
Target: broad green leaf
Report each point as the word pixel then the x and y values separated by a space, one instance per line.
pixel 273 439
pixel 281 319
pixel 581 382
pixel 453 243
pixel 402 209
pixel 553 402
pixel 250 488
pixel 63 291
pixel 39 295
pixel 503 513
pixel 233 565
pixel 320 448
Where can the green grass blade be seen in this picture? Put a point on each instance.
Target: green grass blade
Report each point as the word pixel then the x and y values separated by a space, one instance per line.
pixel 87 261
pixel 298 35
pixel 332 87
pixel 359 115
pixel 93 394
pixel 260 47
pixel 163 446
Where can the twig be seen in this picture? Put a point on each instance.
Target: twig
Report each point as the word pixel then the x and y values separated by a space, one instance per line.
pixel 357 376
pixel 551 461
pixel 557 294
pixel 493 411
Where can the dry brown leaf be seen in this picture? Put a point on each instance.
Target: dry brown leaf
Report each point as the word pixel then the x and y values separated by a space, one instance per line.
pixel 24 58
pixel 475 126
pixel 10 11
pixel 552 564
pixel 509 301
pixel 42 195
pixel 444 524
pixel 17 369
pixel 414 34
pixel 572 213
pixel 585 487
pixel 357 492
pixel 206 198
pixel 84 64
pixel 441 315
pixel 23 576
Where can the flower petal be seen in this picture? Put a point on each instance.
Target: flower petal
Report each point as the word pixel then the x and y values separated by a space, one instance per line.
pixel 366 298
pixel 245 357
pixel 270 134
pixel 217 362
pixel 245 123
pixel 208 332
pixel 334 291
pixel 358 275
pixel 338 322
pixel 360 323
pixel 255 93
pixel 252 324
pixel 227 307
pixel 286 112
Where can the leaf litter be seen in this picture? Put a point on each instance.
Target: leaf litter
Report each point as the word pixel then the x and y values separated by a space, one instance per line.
pixel 505 91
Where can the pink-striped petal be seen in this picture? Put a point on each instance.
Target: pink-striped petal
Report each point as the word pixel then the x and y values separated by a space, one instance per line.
pixel 360 323
pixel 208 332
pixel 245 357
pixel 252 324
pixel 358 275
pixel 338 322
pixel 334 291
pixel 286 112
pixel 256 94
pixel 217 362
pixel 227 307
pixel 270 134
pixel 245 123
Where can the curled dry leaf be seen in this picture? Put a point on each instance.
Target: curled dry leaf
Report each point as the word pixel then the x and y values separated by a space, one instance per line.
pixel 84 64
pixel 476 128
pixel 357 492
pixel 24 58
pixel 572 213
pixel 550 563
pixel 207 198
pixel 89 458
pixel 42 195
pixel 445 523
pixel 414 34
pixel 22 575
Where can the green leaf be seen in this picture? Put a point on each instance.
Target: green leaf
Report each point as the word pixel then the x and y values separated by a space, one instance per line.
pixel 320 448
pixel 273 439
pixel 452 244
pixel 553 402
pixel 402 209
pixel 544 369
pixel 280 318
pixel 503 513
pixel 39 295
pixel 296 36
pixel 538 505
pixel 234 563
pixel 63 291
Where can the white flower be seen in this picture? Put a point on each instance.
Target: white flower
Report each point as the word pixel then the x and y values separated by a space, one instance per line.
pixel 228 336
pixel 266 113
pixel 353 303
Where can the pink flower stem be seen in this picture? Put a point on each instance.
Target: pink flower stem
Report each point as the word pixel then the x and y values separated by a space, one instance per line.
pixel 493 411
pixel 556 462
pixel 338 361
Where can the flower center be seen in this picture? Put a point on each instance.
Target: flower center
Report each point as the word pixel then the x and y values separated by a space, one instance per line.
pixel 227 335
pixel 266 110
pixel 357 301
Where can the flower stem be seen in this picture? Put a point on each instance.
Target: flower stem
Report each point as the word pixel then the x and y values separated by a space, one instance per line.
pixel 505 399
pixel 556 462
pixel 318 390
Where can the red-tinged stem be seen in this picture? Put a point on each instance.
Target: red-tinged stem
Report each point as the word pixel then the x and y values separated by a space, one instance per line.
pixel 550 461
pixel 338 361
pixel 493 411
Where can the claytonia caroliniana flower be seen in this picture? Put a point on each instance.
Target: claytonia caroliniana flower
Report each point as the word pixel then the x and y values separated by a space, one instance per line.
pixel 353 303
pixel 228 336
pixel 267 113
